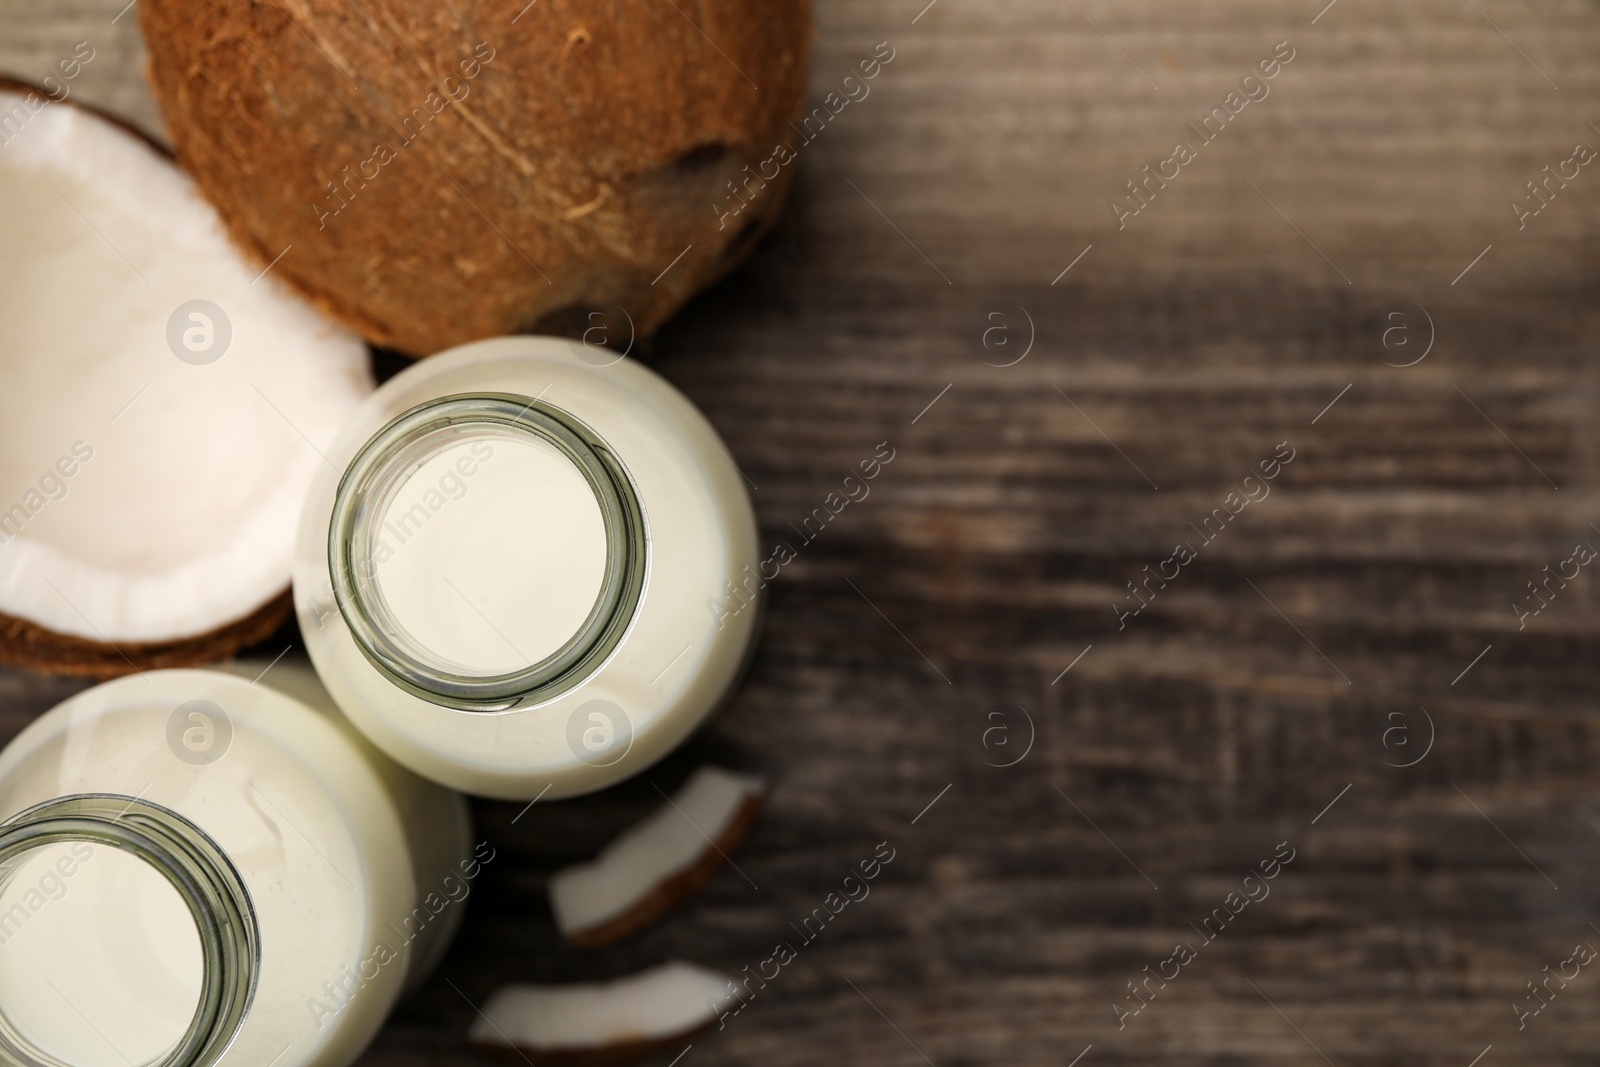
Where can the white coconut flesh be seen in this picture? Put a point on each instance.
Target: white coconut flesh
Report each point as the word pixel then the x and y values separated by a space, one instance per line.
pixel 186 477
pixel 672 1000
pixel 631 874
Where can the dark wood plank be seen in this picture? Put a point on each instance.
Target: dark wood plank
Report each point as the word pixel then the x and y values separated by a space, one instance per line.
pixel 1258 687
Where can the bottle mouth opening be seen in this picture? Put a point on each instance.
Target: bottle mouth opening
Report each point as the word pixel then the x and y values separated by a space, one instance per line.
pixel 132 899
pixel 486 550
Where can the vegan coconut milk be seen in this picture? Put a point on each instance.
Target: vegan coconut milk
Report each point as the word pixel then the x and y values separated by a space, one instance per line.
pixel 198 869
pixel 510 574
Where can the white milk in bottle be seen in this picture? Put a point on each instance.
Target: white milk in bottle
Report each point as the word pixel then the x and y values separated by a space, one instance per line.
pixel 529 568
pixel 197 868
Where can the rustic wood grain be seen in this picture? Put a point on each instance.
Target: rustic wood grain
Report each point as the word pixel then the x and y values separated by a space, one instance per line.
pixel 1260 684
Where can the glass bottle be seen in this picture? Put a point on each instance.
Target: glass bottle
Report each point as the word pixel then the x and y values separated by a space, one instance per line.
pixel 197 868
pixel 529 568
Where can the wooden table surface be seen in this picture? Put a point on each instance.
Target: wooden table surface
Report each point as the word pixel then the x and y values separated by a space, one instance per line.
pixel 1359 618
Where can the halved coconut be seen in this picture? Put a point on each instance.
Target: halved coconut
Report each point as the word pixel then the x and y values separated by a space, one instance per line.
pixel 656 863
pixel 607 1022
pixel 163 406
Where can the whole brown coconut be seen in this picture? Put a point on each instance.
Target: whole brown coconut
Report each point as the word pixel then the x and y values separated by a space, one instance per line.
pixel 436 173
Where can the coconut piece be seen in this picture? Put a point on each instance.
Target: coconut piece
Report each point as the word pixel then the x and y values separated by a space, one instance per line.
pixel 154 450
pixel 606 1022
pixel 451 172
pixel 657 862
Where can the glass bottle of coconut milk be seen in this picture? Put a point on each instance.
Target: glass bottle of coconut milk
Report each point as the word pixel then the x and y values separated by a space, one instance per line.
pixel 528 568
pixel 197 868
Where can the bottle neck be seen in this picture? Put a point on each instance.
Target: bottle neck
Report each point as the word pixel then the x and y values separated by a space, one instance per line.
pixel 36 859
pixel 551 602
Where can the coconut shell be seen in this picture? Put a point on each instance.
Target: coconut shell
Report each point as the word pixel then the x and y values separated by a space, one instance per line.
pixel 27 88
pixel 432 174
pixel 27 644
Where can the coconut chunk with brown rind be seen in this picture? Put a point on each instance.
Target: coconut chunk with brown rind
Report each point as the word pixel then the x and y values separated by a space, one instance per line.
pixel 605 1022
pixel 657 862
pixel 164 408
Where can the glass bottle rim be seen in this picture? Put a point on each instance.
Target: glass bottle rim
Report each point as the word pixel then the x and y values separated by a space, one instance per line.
pixel 202 876
pixel 390 457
